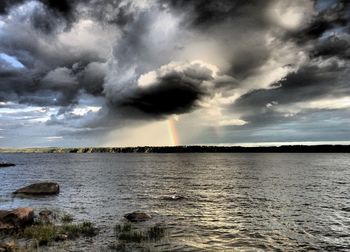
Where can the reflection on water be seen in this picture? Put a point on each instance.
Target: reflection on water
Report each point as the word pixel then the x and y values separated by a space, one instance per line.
pixel 285 202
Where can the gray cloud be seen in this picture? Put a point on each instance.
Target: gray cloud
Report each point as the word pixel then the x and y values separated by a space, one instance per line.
pixel 259 60
pixel 169 90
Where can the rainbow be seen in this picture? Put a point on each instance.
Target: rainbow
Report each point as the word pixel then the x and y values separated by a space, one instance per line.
pixel 174 138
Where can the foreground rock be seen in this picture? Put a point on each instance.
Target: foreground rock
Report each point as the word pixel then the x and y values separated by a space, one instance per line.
pixel 46 215
pixel 137 216
pixel 46 188
pixel 5 164
pixel 61 237
pixel 17 218
pixel 7 246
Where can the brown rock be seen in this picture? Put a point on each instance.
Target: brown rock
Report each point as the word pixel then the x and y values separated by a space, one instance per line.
pixel 137 216
pixel 6 227
pixel 46 216
pixel 46 188
pixel 61 237
pixel 8 246
pixel 45 213
pixel 16 218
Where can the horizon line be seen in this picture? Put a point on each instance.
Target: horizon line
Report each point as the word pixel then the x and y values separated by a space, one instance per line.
pixel 252 144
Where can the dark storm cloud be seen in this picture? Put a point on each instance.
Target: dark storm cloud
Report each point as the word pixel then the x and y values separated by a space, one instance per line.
pixel 172 92
pixel 177 87
pixel 222 19
pixel 333 46
pixel 54 72
pixel 204 13
pixel 5 5
pixel 47 17
pixel 61 73
pixel 332 19
pixel 301 128
pixel 325 39
pixel 46 20
pixel 62 6
pixel 312 82
pixel 175 97
pixel 120 13
pixel 249 61
pixel 122 54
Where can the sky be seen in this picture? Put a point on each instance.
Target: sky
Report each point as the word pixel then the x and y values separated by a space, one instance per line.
pixel 173 72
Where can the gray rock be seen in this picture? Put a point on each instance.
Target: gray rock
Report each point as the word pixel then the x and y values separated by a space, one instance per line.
pixel 173 197
pixel 137 216
pixel 46 188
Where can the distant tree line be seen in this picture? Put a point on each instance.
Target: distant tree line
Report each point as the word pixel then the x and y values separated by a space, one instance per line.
pixel 193 149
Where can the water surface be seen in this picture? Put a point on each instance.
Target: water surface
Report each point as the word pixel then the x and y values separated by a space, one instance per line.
pixel 243 202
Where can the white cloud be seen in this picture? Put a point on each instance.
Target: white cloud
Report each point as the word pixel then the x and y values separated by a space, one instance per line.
pixel 292 15
pixel 87 35
pixel 194 70
pixel 319 104
pixel 54 138
pixel 232 122
pixel 81 111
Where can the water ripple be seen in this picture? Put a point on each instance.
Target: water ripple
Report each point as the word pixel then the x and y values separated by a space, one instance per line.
pixel 209 202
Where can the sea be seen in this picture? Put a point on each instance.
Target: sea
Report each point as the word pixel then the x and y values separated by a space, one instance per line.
pixel 206 201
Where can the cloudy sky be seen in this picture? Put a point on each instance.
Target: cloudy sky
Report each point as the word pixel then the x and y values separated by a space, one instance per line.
pixel 166 72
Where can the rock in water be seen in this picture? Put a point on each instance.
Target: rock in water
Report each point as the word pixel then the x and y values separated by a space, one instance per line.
pixel 46 188
pixel 173 197
pixel 17 218
pixel 5 164
pixel 137 216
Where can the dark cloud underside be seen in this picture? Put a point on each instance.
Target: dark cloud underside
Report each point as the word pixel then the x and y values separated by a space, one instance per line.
pixel 253 64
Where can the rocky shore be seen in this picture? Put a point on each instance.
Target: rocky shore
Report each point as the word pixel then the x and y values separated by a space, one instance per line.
pixel 25 229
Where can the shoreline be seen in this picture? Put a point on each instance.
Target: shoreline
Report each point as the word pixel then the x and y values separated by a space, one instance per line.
pixel 189 149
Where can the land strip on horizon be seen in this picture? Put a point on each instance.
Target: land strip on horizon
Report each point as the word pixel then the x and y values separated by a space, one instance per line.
pixel 189 149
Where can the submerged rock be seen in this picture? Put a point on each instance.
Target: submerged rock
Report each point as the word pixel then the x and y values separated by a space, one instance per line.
pixel 5 164
pixel 173 197
pixel 137 216
pixel 46 188
pixel 17 218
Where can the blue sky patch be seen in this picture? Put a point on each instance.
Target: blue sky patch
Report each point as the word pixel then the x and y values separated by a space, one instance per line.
pixel 11 60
